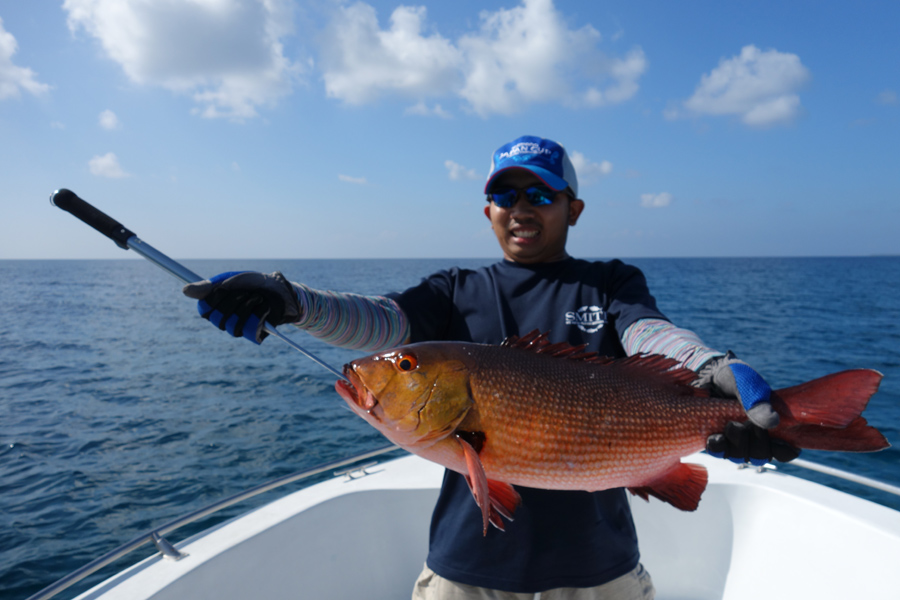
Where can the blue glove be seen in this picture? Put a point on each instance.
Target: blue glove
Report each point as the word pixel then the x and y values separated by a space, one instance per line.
pixel 241 302
pixel 729 377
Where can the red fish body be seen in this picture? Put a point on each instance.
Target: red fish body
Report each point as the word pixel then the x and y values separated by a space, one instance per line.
pixel 540 415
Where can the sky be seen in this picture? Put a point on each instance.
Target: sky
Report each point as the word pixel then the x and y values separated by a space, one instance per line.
pixel 331 129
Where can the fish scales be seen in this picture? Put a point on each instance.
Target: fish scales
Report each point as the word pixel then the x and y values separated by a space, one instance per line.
pixel 578 425
pixel 542 415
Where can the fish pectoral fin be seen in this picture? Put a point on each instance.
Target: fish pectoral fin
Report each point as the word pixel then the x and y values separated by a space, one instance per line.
pixel 504 500
pixel 681 486
pixel 477 480
pixel 496 499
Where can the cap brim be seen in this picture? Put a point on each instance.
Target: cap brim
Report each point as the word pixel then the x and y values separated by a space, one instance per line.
pixel 555 183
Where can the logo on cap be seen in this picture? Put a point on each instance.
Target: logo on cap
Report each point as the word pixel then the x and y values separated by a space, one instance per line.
pixel 530 148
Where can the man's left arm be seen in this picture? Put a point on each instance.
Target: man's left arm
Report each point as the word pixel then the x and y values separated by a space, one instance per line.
pixel 725 375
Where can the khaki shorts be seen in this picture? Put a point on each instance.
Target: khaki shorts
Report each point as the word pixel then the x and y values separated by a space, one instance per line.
pixel 635 585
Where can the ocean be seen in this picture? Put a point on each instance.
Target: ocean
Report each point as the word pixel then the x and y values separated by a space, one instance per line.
pixel 121 409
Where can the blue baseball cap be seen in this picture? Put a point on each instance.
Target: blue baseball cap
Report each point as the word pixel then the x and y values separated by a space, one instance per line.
pixel 545 158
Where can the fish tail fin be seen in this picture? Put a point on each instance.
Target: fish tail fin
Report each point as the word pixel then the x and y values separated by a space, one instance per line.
pixel 681 486
pixel 824 414
pixel 858 436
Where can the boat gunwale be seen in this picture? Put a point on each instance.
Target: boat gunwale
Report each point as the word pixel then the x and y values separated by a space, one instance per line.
pixel 156 535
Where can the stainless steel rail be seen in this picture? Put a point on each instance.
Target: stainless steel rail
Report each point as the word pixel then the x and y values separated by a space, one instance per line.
pixel 156 536
pixel 866 481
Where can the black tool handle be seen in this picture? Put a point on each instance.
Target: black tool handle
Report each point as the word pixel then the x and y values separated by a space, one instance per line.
pixel 102 222
pixel 99 220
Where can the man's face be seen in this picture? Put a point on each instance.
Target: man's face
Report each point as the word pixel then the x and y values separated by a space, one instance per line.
pixel 532 234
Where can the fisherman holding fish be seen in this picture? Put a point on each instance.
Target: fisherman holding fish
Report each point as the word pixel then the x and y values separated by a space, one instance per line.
pixel 562 543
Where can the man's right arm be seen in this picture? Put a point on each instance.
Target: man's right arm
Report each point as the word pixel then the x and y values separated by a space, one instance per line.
pixel 241 302
pixel 354 321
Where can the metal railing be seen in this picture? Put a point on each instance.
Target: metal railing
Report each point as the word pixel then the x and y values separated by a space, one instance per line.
pixel 157 535
pixel 866 481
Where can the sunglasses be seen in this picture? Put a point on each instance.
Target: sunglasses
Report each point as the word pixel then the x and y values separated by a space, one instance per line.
pixel 536 196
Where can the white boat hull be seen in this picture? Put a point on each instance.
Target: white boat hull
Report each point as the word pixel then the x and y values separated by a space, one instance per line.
pixel 754 536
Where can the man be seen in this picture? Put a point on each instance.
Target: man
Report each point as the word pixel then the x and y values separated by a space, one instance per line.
pixel 562 544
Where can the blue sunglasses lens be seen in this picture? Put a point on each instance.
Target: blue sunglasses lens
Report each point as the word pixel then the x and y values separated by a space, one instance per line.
pixel 536 196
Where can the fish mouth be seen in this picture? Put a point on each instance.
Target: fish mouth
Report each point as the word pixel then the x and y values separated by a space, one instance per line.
pixel 365 404
pixel 354 391
pixel 407 430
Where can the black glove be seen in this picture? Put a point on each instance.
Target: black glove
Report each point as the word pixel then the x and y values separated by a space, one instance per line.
pixel 241 302
pixel 729 377
pixel 746 442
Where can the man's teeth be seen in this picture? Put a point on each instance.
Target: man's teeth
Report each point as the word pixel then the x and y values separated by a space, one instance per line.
pixel 525 233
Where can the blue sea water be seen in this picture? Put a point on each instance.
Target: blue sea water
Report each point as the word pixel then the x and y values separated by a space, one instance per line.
pixel 121 409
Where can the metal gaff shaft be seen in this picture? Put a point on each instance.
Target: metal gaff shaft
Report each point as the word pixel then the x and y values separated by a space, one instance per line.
pixel 124 238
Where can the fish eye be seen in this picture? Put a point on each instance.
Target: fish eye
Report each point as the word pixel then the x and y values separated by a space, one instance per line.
pixel 406 362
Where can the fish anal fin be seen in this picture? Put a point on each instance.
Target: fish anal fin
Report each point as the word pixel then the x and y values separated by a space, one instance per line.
pixel 496 499
pixel 681 486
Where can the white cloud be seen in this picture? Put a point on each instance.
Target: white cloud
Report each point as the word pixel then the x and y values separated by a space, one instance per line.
pixel 362 61
pixel 107 166
pixel 759 87
pixel 422 109
pixel 625 73
pixel 14 79
pixel 356 180
pixel 109 120
pixel 226 54
pixel 457 172
pixel 518 56
pixel 521 55
pixel 887 97
pixel 587 170
pixel 656 200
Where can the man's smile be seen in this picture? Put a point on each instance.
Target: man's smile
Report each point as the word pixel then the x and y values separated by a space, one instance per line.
pixel 526 231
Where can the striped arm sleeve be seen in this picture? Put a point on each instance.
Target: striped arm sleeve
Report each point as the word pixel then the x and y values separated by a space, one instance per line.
pixel 353 321
pixel 655 336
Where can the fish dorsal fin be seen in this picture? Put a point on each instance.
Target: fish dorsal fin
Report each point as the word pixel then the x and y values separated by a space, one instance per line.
pixel 536 341
pixel 654 365
pixel 667 369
